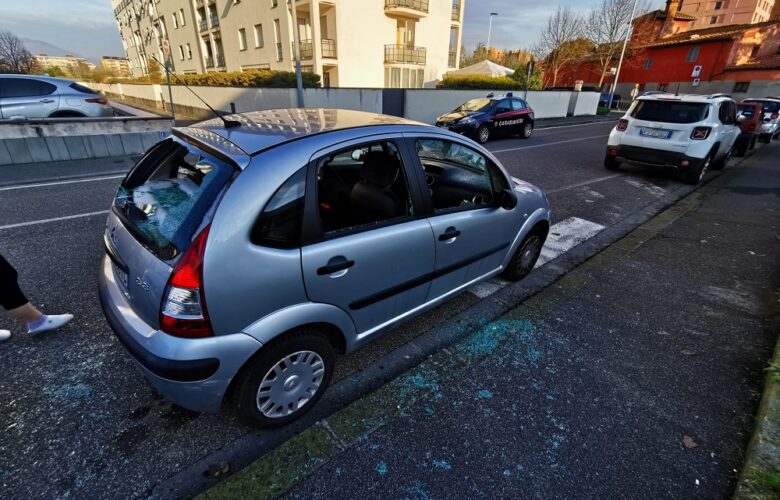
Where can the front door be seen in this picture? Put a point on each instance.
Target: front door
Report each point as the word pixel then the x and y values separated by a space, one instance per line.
pixel 370 255
pixel 472 235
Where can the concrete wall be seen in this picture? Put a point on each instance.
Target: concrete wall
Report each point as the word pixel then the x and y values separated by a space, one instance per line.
pixel 426 105
pixel 757 88
pixel 61 139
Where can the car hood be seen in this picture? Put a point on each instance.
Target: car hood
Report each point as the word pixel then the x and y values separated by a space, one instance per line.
pixel 457 115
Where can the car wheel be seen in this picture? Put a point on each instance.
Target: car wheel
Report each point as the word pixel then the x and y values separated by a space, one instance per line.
pixel 753 142
pixel 695 175
pixel 611 163
pixel 527 129
pixel 284 380
pixel 718 165
pixel 483 134
pixel 524 259
pixel 765 138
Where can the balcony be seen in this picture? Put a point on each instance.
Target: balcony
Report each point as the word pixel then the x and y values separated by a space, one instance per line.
pixel 214 21
pixel 456 12
pixel 416 9
pixel 307 50
pixel 328 48
pixel 220 60
pixel 452 62
pixel 404 54
pixel 209 62
pixel 204 26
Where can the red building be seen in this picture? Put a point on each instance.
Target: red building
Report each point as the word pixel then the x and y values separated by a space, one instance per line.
pixel 665 55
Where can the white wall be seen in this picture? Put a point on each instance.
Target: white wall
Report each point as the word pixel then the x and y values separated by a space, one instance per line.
pixel 426 105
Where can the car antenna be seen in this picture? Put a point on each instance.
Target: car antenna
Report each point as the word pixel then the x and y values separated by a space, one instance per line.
pixel 226 121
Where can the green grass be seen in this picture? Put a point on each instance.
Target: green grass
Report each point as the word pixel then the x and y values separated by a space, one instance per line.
pixel 766 482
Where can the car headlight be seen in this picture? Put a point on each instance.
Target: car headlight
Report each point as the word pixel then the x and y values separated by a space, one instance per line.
pixel 466 121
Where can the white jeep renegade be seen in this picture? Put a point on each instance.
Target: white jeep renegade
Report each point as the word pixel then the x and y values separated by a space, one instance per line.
pixel 689 133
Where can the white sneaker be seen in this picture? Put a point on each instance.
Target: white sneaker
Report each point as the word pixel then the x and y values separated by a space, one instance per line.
pixel 52 323
pixel 4 335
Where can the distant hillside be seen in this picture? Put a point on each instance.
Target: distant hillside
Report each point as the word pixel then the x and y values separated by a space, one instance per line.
pixel 40 47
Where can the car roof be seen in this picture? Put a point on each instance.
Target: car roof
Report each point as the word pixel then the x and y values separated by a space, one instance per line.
pixel 761 99
pixel 261 130
pixel 705 99
pixel 45 78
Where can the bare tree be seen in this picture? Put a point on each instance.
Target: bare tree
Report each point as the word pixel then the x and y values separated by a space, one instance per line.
pixel 555 42
pixel 607 25
pixel 14 56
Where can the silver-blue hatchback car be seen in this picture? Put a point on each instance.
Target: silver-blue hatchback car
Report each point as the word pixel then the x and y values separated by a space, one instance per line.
pixel 241 259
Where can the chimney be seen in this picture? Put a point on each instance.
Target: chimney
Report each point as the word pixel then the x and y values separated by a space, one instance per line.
pixel 672 7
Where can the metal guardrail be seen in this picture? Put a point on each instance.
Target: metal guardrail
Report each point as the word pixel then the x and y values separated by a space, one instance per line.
pixel 220 60
pixel 420 5
pixel 452 59
pixel 204 25
pixel 329 48
pixel 307 49
pixel 405 54
pixel 209 62
pixel 214 21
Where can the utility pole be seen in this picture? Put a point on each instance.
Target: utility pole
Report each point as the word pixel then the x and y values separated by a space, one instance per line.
pixel 622 55
pixel 490 30
pixel 296 42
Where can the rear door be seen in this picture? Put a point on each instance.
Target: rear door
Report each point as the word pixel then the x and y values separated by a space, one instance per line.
pixel 160 207
pixel 729 127
pixel 504 120
pixel 366 249
pixel 472 235
pixel 27 97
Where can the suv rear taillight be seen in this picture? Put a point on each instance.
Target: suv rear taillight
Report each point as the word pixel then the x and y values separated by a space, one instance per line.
pixel 700 133
pixel 97 100
pixel 622 124
pixel 183 311
pixel 775 115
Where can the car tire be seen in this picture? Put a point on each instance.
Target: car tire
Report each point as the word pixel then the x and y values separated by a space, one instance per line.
pixel 753 142
pixel 284 390
pixel 483 134
pixel 524 259
pixel 695 175
pixel 765 138
pixel 527 129
pixel 611 163
pixel 721 163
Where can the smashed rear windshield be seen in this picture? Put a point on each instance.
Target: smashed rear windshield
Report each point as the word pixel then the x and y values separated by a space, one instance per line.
pixel 670 111
pixel 167 194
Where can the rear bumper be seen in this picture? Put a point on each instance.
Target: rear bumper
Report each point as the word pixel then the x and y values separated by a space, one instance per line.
pixel 653 157
pixel 768 128
pixel 193 373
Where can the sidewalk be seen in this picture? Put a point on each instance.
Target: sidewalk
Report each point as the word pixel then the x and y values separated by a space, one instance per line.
pixel 637 374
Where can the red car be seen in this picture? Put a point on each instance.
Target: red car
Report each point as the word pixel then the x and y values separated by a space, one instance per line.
pixel 750 125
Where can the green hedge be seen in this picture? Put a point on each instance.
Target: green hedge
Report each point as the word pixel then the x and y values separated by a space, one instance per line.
pixel 479 82
pixel 253 78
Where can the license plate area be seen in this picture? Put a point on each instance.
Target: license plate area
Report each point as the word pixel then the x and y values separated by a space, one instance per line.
pixel 655 133
pixel 121 277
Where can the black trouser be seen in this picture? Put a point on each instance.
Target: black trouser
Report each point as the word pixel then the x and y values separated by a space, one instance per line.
pixel 11 295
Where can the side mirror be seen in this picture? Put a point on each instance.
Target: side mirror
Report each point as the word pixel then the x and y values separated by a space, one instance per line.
pixel 507 199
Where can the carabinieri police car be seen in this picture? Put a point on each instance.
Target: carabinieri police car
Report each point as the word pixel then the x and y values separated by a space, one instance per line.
pixel 490 116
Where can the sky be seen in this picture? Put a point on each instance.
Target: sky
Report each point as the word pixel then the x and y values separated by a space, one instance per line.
pixel 88 28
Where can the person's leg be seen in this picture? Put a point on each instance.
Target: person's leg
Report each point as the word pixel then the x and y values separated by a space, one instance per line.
pixel 28 313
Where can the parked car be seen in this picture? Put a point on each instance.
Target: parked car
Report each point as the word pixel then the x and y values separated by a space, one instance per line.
pixel 490 116
pixel 604 97
pixel 33 96
pixel 771 126
pixel 688 133
pixel 750 125
pixel 242 259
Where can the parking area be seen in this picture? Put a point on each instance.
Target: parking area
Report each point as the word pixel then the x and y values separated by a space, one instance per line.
pixel 80 419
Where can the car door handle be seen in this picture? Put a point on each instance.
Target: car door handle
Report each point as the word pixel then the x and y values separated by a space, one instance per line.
pixel 336 265
pixel 47 101
pixel 450 234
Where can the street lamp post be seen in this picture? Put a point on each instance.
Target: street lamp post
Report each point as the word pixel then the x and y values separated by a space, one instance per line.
pixel 622 54
pixel 490 30
pixel 297 55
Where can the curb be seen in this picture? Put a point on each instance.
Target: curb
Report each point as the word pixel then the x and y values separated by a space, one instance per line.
pixel 760 476
pixel 283 468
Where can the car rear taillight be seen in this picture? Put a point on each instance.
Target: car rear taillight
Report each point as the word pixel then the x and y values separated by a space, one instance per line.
pixel 184 312
pixel 700 133
pixel 622 124
pixel 775 115
pixel 97 100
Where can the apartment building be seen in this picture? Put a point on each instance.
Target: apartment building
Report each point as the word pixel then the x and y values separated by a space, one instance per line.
pixel 351 43
pixel 117 65
pixel 711 13
pixel 63 62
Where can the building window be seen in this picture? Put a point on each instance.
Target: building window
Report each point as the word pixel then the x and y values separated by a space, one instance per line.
pixel 242 39
pixel 718 5
pixel 693 54
pixel 741 86
pixel 274 3
pixel 175 21
pixel 713 19
pixel 181 52
pixel 277 39
pixel 182 21
pixel 189 51
pixel 259 36
pixel 648 63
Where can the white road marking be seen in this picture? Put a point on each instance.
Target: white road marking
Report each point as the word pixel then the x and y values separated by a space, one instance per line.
pixel 550 144
pixel 599 122
pixel 563 236
pixel 60 183
pixel 580 184
pixel 55 219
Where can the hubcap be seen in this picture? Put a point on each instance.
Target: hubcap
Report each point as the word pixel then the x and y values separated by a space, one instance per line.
pixel 704 168
pixel 290 384
pixel 529 254
pixel 483 134
pixel 527 130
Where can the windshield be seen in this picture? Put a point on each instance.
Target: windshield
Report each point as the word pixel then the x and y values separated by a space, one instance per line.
pixel 670 111
pixel 475 105
pixel 164 198
pixel 769 106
